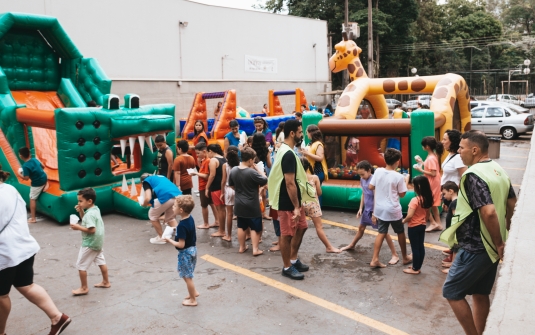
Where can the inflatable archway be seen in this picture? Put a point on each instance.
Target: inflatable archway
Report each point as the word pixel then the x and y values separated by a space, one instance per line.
pixel 274 103
pixel 45 85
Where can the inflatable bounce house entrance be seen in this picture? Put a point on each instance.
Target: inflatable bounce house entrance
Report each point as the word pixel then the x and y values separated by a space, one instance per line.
pixel 45 85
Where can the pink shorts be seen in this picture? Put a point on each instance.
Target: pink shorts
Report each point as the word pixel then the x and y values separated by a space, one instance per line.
pixel 289 226
pixel 216 198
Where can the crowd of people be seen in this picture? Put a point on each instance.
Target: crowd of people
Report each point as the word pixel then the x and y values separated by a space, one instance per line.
pixel 274 177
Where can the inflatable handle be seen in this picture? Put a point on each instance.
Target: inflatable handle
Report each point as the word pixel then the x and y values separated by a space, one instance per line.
pixel 277 93
pixel 214 95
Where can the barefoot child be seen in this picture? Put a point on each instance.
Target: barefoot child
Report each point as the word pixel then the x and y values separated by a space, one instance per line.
pixel 200 151
pixel 432 172
pixel 417 219
pixel 246 179
pixel 33 170
pixel 227 192
pixel 213 185
pixel 365 169
pixel 389 186
pixel 185 242
pixel 312 208
pixel 449 192
pixel 92 229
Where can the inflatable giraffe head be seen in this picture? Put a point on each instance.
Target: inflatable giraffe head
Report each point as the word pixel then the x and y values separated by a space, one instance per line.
pixel 347 57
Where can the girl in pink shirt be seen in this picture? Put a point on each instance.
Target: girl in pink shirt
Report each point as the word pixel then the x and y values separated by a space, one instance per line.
pixel 416 218
pixel 432 171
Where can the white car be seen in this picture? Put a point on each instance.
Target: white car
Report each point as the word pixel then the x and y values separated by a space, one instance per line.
pixel 425 100
pixel 515 108
pixel 506 98
pixel 501 120
pixel 392 103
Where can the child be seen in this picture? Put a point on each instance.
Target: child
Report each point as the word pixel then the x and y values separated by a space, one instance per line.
pixel 277 227
pixel 246 179
pixel 417 219
pixel 365 169
pixel 33 170
pixel 389 186
pixel 227 192
pixel 185 242
pixel 92 229
pixel 204 161
pixel 432 172
pixel 449 192
pixel 312 208
pixel 213 185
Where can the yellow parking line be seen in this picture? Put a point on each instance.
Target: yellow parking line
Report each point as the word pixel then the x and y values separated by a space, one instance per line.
pixel 516 185
pixel 372 232
pixel 306 296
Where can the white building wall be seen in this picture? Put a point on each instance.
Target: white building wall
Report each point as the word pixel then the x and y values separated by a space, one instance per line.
pixel 138 44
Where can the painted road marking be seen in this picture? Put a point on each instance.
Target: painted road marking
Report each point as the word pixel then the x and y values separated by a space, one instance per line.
pixel 373 232
pixel 516 185
pixel 306 296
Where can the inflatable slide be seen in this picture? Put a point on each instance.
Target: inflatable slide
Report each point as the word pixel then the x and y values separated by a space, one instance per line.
pixel 45 87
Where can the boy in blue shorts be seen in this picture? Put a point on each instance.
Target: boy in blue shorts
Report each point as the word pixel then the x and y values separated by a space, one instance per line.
pixel 185 242
pixel 33 170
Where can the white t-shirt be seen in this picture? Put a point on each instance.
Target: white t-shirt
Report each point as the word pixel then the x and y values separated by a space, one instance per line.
pixel 16 243
pixel 449 169
pixel 388 184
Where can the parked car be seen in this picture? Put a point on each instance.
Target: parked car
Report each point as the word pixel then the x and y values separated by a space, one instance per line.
pixel 423 99
pixel 501 120
pixel 530 101
pixel 392 103
pixel 515 108
pixel 506 98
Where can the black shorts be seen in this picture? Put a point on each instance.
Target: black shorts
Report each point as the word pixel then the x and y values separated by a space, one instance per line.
pixel 186 191
pixel 18 276
pixel 253 223
pixel 396 225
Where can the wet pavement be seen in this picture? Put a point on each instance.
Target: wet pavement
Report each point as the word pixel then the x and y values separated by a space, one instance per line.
pixel 241 293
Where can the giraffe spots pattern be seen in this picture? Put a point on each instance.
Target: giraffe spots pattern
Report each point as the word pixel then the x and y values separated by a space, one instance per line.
pixel 344 101
pixel 468 126
pixel 360 72
pixel 444 82
pixel 351 68
pixel 354 52
pixel 467 94
pixel 351 88
pixel 452 103
pixel 456 88
pixel 403 85
pixel 357 63
pixel 441 93
pixel 418 85
pixel 389 85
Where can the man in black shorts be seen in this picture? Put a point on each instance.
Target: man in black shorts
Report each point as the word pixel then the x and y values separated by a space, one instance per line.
pixel 482 218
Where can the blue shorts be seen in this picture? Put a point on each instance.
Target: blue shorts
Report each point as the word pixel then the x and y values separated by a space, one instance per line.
pixel 187 259
pixel 253 223
pixel 470 274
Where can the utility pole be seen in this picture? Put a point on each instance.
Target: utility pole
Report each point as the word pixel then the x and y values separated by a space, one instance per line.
pixel 370 40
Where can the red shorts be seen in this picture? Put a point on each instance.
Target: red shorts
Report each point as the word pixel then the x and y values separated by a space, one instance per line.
pixel 289 226
pixel 216 198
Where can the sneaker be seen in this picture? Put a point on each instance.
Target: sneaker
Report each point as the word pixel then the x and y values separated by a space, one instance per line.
pixel 292 273
pixel 157 240
pixel 59 327
pixel 300 266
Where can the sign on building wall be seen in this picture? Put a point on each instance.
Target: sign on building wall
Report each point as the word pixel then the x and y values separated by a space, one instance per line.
pixel 260 64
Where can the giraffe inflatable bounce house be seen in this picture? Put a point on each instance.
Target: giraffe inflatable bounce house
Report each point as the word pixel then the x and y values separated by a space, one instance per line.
pixel 450 102
pixel 450 109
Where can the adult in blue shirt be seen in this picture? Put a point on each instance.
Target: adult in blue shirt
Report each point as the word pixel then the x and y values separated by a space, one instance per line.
pixel 235 137
pixel 313 106
pixel 33 170
pixel 160 194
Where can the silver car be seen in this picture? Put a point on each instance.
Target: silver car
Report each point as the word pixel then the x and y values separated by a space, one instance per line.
pixel 501 120
pixel 425 100
pixel 392 103
pixel 509 98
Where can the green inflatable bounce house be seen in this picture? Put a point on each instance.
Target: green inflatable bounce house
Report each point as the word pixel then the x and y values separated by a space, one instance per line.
pixel 58 103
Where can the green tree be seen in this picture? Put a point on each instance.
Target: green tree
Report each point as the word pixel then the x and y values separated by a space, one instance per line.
pixel 519 15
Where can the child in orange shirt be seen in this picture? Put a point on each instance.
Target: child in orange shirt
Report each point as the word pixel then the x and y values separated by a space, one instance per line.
pixel 416 218
pixel 204 171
